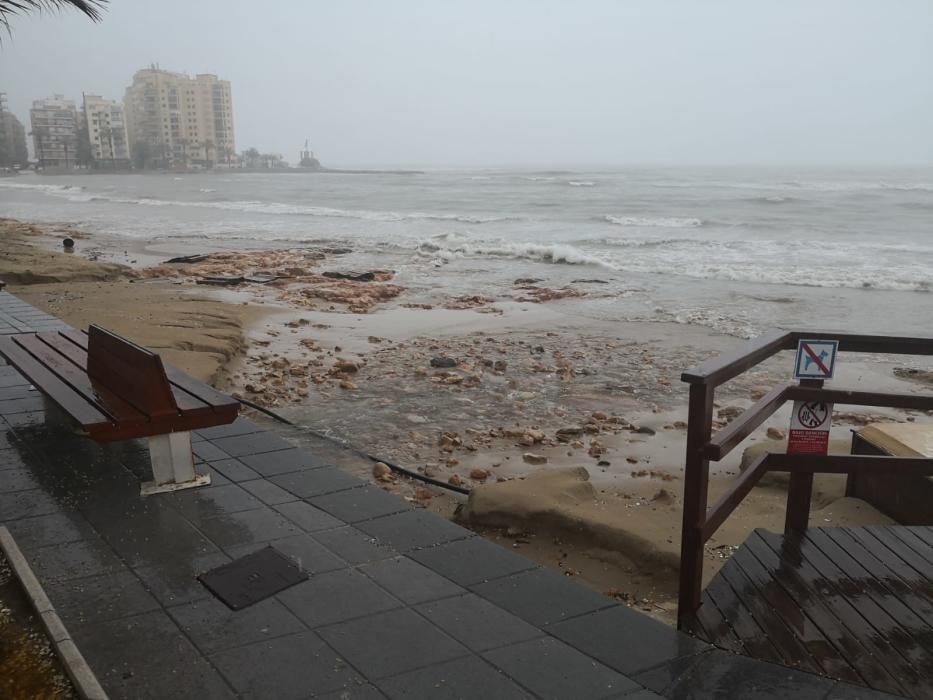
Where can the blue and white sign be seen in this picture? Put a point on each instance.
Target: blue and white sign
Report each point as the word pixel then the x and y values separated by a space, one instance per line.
pixel 816 359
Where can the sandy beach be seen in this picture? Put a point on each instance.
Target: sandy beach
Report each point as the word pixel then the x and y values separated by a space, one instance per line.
pixel 568 430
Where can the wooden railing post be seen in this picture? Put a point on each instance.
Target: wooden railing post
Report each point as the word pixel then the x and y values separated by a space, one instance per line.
pixel 800 489
pixel 696 483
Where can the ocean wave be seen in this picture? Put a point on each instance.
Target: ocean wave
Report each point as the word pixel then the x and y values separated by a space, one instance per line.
pixel 581 183
pixel 447 247
pixel 273 208
pixel 4 183
pixel 206 189
pixel 651 222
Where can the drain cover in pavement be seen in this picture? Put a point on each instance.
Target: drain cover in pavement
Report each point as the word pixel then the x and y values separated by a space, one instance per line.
pixel 252 578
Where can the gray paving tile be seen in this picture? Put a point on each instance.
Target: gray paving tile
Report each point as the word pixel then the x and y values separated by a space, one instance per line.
pixel 413 529
pixel 212 626
pixel 845 691
pixel 336 596
pixel 241 426
pixel 391 643
pixel 363 691
pixel 283 461
pixel 60 562
pixel 472 560
pixel 251 444
pixel 248 527
pixel 469 678
pixel 207 451
pixel 267 492
pixel 625 639
pixel 477 623
pixel 21 420
pixel 316 482
pixel 147 656
pixel 26 504
pixel 17 480
pixel 542 597
pixel 409 581
pixel 100 598
pixel 365 503
pixel 54 528
pixel 21 405
pixel 235 470
pixel 286 668
pixel 354 546
pixel 554 670
pixel 719 674
pixel 307 517
pixel 309 554
pixel 176 582
pixel 209 502
pixel 642 694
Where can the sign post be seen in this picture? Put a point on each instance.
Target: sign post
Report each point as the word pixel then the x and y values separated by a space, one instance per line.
pixel 809 428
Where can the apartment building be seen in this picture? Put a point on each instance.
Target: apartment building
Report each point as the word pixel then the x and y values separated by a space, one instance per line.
pixel 106 132
pixel 13 151
pixel 174 120
pixel 54 122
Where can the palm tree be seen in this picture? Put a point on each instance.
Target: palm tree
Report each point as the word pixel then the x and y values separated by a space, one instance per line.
pixel 207 145
pixel 8 8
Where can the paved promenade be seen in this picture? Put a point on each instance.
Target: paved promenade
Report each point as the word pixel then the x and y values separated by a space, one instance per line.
pixel 400 603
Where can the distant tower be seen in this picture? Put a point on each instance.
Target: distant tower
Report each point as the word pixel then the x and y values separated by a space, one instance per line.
pixel 306 154
pixel 307 159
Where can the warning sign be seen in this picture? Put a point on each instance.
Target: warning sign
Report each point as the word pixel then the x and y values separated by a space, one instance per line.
pixel 809 428
pixel 816 359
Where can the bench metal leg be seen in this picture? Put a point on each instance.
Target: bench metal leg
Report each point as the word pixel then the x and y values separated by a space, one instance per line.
pixel 172 465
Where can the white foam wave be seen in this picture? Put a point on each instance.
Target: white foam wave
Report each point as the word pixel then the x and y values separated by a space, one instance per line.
pixel 206 189
pixel 450 247
pixel 652 221
pixel 581 183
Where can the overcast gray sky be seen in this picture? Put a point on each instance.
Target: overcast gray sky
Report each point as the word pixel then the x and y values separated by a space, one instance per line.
pixel 522 82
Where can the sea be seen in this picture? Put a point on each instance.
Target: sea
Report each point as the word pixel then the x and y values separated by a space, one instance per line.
pixel 735 250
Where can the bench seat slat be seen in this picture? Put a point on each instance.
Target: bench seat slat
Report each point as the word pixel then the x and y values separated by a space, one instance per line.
pixel 78 356
pixel 189 392
pixel 65 369
pixel 56 389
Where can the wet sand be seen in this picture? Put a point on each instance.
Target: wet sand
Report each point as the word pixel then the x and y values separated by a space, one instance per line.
pixel 473 391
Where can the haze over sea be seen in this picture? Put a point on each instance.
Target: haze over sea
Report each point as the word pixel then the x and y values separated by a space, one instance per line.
pixel 737 250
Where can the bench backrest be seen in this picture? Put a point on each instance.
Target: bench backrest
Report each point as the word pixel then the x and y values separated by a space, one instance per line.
pixel 131 372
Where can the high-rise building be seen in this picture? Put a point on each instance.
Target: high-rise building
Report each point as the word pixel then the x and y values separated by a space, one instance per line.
pixel 106 132
pixel 13 153
pixel 55 132
pixel 174 120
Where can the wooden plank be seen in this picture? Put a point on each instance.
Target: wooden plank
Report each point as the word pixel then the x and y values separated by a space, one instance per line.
pixel 713 629
pixel 860 398
pixel 738 617
pixel 909 629
pixel 890 571
pixel 907 554
pixel 911 540
pixel 105 401
pixel 183 382
pixel 53 387
pixel 813 584
pixel 856 655
pixel 721 369
pixel 136 373
pixel 846 464
pixel 77 354
pixel 774 614
pixel 730 500
pixel 724 441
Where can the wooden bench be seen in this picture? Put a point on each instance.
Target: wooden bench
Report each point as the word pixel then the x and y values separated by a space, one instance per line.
pixel 116 390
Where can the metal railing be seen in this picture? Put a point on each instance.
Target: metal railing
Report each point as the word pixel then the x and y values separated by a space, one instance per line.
pixel 700 522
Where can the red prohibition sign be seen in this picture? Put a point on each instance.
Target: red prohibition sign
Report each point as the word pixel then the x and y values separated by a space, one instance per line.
pixel 812 414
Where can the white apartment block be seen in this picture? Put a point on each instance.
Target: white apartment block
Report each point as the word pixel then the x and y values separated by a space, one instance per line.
pixel 106 130
pixel 177 121
pixel 54 124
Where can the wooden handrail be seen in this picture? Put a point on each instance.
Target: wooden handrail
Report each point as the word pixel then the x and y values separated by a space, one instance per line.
pixel 700 523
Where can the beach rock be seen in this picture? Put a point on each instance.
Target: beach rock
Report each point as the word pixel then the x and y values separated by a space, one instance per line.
pixel 599 415
pixel 479 474
pixel 352 276
pixel 348 366
pixel 423 494
pixel 663 496
pixel 645 430
pixel 347 384
pixel 567 434
pixel 443 362
pixel 500 365
pixel 382 472
pixel 455 480
pixel 596 449
pixel 758 391
pixel 730 413
pixel 532 458
pixel 776 434
pixel 520 281
pixel 526 440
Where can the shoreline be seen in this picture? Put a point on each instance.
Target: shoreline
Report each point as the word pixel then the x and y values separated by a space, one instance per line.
pixel 458 388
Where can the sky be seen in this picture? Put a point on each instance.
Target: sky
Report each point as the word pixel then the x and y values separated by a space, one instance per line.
pixel 511 83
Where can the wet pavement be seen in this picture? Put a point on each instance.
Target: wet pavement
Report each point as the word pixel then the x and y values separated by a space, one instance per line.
pixel 400 603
